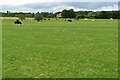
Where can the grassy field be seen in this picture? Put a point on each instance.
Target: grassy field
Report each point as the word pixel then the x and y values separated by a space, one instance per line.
pixel 59 49
pixel 0 49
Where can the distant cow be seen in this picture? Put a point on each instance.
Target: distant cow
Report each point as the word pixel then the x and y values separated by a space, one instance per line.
pixel 44 19
pixel 69 20
pixel 48 19
pixel 17 22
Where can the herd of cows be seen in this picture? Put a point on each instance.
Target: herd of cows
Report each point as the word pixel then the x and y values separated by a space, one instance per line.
pixel 69 20
pixel 19 22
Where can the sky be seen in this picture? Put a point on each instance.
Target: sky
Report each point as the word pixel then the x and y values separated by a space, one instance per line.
pixel 57 5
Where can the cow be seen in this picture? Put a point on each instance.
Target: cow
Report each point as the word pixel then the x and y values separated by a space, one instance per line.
pixel 69 20
pixel 93 20
pixel 85 19
pixel 44 19
pixel 17 22
pixel 111 18
pixel 48 19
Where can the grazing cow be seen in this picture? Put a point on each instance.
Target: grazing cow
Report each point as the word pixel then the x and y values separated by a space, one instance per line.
pixel 17 22
pixel 48 19
pixel 93 20
pixel 44 19
pixel 111 18
pixel 69 20
pixel 85 19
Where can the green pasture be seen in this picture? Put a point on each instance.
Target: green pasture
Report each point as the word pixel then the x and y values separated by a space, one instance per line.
pixel 60 49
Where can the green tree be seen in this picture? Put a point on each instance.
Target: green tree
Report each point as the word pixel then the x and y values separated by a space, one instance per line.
pixel 21 16
pixel 38 17
pixel 91 15
pixel 79 16
pixel 68 13
pixel 103 15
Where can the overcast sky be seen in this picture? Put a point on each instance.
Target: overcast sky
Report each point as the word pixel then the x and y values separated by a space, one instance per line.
pixel 57 5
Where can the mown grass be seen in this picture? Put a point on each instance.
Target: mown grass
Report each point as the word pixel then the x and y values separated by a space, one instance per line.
pixel 0 49
pixel 59 49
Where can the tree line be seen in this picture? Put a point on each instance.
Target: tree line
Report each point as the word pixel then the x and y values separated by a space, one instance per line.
pixel 66 14
pixel 27 15
pixel 90 14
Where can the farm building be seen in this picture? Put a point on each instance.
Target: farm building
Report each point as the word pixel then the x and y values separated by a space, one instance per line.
pixel 59 15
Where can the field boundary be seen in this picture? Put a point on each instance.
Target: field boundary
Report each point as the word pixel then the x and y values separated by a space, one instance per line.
pixel 0 49
pixel 119 41
pixel 12 18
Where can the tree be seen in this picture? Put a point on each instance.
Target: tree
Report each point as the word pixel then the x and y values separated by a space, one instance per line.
pixel 103 15
pixel 91 15
pixel 79 16
pixel 68 13
pixel 28 15
pixel 33 15
pixel 38 17
pixel 21 16
pixel 65 14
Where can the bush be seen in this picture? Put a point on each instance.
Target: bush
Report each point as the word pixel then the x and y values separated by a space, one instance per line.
pixel 78 17
pixel 21 16
pixel 38 17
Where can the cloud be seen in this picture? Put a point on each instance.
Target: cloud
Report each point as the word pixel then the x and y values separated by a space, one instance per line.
pixel 59 6
pixel 21 2
pixel 108 8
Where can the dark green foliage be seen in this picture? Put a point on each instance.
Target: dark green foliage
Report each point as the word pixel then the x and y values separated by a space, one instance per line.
pixel 48 15
pixel 68 13
pixel 21 16
pixel 98 14
pixel 91 15
pixel 78 17
pixel 38 17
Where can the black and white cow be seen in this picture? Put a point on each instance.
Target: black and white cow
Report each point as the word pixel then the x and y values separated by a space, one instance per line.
pixel 17 22
pixel 69 20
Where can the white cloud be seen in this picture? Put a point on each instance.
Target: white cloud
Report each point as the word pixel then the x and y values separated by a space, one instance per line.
pixel 55 7
pixel 108 8
pixel 60 8
pixel 21 2
pixel 23 9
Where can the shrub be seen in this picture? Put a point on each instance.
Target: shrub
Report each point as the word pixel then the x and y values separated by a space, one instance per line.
pixel 38 17
pixel 21 16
